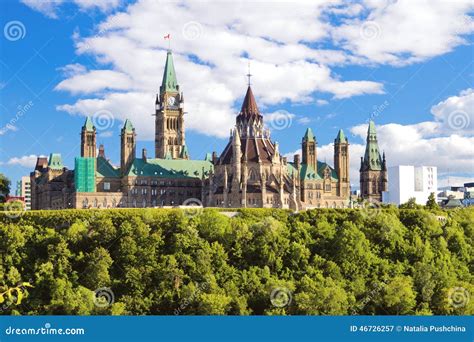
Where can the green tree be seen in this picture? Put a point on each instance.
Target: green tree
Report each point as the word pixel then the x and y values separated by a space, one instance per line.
pixel 431 203
pixel 399 297
pixel 4 187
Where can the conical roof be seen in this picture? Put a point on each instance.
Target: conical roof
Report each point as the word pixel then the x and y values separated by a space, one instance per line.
pixel 169 83
pixel 249 106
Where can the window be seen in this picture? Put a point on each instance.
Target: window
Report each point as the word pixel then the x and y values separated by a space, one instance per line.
pixel 106 186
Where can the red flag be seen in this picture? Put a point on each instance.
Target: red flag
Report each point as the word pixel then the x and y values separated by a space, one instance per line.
pixel 167 36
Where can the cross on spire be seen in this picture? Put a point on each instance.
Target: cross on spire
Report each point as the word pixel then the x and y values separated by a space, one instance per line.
pixel 249 74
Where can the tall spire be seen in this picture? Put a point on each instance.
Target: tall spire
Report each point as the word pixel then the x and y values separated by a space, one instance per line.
pixel 169 83
pixel 249 106
pixel 372 159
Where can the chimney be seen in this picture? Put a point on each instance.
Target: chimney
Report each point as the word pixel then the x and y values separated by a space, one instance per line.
pixel 296 160
pixel 214 158
pixel 144 154
pixel 101 151
pixel 284 160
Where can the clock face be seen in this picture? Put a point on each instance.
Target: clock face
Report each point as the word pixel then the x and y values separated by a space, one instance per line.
pixel 171 101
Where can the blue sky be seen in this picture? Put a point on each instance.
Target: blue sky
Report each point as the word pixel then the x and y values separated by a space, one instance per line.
pixel 326 65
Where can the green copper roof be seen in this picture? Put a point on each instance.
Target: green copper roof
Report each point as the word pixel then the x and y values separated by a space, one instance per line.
pixel 55 162
pixel 309 136
pixel 170 168
pixel 88 125
pixel 128 126
pixel 105 169
pixel 169 83
pixel 208 157
pixel 307 172
pixel 168 155
pixel 372 159
pixel 184 152
pixel 341 137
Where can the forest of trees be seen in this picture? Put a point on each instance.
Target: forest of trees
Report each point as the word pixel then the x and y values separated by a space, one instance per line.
pixel 259 262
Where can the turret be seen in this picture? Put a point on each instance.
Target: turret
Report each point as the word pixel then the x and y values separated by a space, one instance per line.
pixel 341 162
pixel 127 146
pixel 309 149
pixel 88 139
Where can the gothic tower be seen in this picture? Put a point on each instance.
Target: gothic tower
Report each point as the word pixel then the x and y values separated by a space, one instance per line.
pixel 341 163
pixel 373 168
pixel 309 149
pixel 88 139
pixel 169 116
pixel 127 146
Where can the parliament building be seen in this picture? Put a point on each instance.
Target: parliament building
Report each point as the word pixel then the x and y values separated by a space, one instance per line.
pixel 250 171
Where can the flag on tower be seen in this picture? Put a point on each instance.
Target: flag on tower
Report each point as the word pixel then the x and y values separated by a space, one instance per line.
pixel 167 36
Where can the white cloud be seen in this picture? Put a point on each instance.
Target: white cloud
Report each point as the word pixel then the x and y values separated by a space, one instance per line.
pixel 212 78
pixel 95 81
pixel 406 31
pixel 50 8
pixel 24 161
pixel 321 102
pixel 456 114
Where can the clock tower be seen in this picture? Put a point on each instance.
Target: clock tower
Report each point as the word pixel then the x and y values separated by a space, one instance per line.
pixel 169 116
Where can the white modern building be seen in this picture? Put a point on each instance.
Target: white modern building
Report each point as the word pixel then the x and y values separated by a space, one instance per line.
pixel 26 191
pixel 407 181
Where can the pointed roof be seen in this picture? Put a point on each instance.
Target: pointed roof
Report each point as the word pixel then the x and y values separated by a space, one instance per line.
pixel 372 159
pixel 127 126
pixel 249 106
pixel 88 125
pixel 169 83
pixel 341 137
pixel 309 135
pixel 55 162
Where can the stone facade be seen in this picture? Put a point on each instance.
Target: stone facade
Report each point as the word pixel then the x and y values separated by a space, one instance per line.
pixel 250 172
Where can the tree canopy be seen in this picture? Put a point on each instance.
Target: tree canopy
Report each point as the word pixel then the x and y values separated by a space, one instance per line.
pixel 261 262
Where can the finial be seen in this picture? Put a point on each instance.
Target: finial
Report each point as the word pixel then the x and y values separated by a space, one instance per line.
pixel 249 74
